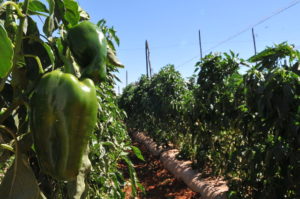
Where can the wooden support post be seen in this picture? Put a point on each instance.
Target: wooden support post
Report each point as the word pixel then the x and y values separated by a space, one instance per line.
pixel 146 52
pixel 200 45
pixel 254 43
pixel 148 62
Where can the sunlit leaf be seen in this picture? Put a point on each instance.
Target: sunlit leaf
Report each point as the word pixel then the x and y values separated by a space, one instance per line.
pixel 50 52
pixel 72 14
pixel 37 6
pixel 6 53
pixel 49 25
pixel 112 58
pixel 138 153
pixel 83 14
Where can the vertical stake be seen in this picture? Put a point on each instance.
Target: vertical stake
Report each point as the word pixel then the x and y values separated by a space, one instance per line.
pixel 254 43
pixel 200 45
pixel 148 63
pixel 146 51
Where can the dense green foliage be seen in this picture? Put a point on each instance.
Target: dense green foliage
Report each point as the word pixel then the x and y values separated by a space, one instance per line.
pixel 27 52
pixel 157 104
pixel 244 127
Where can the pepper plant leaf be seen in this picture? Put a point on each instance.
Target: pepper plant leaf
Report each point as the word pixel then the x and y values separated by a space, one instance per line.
pixel 72 14
pixel 112 58
pixel 19 181
pixel 137 152
pixel 6 52
pixel 37 7
pixel 49 25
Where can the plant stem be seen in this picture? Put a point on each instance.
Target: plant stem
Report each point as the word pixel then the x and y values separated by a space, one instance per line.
pixel 17 152
pixel 38 61
pixel 18 58
pixel 19 11
pixel 10 109
pixel 7 130
pixel 19 37
pixel 7 147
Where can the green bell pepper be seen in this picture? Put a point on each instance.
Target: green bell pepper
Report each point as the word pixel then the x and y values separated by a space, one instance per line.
pixel 89 48
pixel 63 115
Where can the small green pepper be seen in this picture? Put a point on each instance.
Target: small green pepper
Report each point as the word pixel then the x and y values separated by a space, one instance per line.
pixel 89 48
pixel 63 115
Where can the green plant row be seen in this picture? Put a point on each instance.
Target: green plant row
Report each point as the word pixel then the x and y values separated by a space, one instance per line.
pixel 243 126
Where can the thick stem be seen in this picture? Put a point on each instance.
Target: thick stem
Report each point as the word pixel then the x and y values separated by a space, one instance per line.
pixel 19 37
pixel 17 81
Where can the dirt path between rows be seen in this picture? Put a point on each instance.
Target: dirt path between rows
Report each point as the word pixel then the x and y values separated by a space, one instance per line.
pixel 157 181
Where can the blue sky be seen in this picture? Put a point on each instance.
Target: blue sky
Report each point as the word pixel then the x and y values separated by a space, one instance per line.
pixel 171 28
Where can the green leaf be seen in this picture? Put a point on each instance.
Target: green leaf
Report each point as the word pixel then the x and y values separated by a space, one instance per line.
pixel 6 53
pixel 112 58
pixel 7 147
pixel 51 6
pixel 112 32
pixel 132 174
pixel 138 153
pixel 269 58
pixel 101 23
pixel 59 9
pixel 83 14
pixel 108 143
pixel 19 181
pixel 72 14
pixel 141 187
pixel 50 53
pixel 37 6
pixel 49 25
pixel 32 28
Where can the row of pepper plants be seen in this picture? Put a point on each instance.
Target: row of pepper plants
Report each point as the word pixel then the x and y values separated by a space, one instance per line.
pixel 233 118
pixel 61 131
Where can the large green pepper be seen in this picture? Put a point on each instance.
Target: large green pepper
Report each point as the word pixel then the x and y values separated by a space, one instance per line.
pixel 63 115
pixel 89 48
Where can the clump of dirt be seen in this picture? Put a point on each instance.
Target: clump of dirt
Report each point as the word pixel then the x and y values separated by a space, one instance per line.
pixel 157 181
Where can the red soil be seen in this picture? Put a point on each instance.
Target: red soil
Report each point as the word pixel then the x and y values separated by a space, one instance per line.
pixel 157 181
